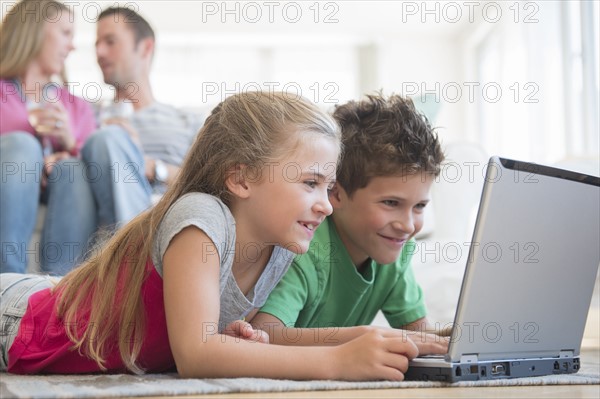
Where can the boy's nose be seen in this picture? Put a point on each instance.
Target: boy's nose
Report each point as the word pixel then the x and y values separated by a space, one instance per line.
pixel 404 224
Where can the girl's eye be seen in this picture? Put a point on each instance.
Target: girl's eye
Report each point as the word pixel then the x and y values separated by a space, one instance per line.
pixel 389 202
pixel 420 207
pixel 311 183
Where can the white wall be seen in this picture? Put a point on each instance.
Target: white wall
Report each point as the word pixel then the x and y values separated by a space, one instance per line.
pixel 333 51
pixel 349 49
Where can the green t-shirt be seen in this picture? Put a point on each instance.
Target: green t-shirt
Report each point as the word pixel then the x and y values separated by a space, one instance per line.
pixel 323 288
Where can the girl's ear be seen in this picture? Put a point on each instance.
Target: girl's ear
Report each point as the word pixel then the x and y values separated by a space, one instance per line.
pixel 236 182
pixel 337 194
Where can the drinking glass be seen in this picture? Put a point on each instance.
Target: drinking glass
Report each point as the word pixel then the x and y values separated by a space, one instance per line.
pixel 35 111
pixel 114 110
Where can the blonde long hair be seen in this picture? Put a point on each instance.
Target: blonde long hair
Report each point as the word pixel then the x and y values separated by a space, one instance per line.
pixel 22 35
pixel 245 129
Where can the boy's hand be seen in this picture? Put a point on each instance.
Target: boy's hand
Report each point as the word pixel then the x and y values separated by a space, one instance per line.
pixel 243 329
pixel 379 354
pixel 444 332
pixel 429 344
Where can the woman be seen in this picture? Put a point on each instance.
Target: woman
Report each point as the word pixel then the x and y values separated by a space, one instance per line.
pixel 42 128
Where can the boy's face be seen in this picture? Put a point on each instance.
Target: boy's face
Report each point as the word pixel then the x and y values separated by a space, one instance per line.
pixel 381 217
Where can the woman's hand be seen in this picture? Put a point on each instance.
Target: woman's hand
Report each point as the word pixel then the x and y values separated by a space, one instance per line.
pixel 50 162
pixel 52 120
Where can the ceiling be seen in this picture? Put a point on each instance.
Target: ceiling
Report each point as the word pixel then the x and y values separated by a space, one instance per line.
pixel 284 19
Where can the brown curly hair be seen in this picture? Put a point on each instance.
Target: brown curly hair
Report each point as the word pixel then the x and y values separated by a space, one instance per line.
pixel 384 137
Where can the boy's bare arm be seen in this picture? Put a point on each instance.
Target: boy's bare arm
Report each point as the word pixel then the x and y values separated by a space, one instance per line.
pixel 279 334
pixel 421 324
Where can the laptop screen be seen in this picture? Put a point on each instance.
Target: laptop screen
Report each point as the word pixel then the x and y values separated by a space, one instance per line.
pixel 532 263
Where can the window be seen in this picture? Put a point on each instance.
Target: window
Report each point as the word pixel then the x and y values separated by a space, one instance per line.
pixel 547 73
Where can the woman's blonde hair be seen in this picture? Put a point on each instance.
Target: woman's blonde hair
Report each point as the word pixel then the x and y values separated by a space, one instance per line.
pixel 22 35
pixel 245 129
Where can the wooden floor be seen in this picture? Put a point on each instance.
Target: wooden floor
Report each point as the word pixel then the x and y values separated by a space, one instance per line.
pixel 590 357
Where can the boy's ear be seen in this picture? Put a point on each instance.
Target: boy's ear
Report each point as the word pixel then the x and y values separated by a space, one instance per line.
pixel 337 194
pixel 236 182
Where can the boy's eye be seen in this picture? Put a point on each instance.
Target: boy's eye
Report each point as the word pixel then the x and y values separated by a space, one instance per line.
pixel 311 183
pixel 389 202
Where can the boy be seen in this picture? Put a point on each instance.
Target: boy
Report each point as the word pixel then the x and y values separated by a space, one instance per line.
pixel 359 260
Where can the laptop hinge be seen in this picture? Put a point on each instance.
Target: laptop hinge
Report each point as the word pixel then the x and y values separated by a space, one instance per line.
pixel 565 353
pixel 468 359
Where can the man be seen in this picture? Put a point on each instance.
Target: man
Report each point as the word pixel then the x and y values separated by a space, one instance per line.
pixel 131 158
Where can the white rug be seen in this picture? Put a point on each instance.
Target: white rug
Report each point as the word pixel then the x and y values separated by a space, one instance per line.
pixel 93 386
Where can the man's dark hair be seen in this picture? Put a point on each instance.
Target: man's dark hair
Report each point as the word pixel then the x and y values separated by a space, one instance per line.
pixel 384 137
pixel 140 27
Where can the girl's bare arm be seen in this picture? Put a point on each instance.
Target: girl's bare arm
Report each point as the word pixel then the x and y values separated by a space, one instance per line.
pixel 191 294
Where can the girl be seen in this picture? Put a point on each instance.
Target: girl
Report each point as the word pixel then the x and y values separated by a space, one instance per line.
pixel 42 128
pixel 250 194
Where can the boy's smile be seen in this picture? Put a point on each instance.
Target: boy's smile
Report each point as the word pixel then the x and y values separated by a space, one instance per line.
pixel 380 218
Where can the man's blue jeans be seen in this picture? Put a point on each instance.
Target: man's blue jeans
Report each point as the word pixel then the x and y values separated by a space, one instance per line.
pixel 116 176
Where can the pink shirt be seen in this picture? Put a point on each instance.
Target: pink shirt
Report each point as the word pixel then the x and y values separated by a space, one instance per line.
pixel 13 113
pixel 42 345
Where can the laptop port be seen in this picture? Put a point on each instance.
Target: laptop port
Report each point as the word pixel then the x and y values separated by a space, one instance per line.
pixel 498 369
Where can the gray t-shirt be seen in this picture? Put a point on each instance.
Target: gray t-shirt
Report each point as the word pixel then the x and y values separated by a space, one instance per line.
pixel 166 132
pixel 213 217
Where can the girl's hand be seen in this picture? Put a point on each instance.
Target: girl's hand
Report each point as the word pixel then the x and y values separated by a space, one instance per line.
pixel 428 342
pixel 380 354
pixel 243 329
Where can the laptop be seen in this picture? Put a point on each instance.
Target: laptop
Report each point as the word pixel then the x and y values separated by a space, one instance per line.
pixel 529 278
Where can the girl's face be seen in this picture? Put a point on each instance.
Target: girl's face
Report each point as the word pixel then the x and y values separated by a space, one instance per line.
pixel 57 44
pixel 289 197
